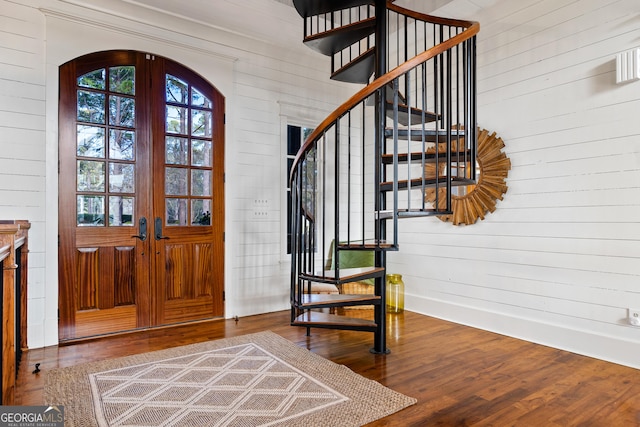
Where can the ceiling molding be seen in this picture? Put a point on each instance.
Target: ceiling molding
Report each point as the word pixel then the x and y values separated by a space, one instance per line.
pixel 155 36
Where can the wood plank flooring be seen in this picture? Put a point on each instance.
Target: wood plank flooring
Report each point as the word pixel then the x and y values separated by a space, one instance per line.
pixel 461 376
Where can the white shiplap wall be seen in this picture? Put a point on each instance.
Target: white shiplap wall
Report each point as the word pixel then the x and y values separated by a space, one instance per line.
pixel 559 261
pixel 22 136
pixel 268 94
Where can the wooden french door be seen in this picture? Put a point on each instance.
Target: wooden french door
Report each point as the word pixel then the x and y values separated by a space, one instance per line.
pixel 141 195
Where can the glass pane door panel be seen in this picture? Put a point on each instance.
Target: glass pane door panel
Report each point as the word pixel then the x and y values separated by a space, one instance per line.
pixel 91 107
pixel 90 210
pixel 200 152
pixel 176 150
pixel 121 144
pixel 200 123
pixel 121 178
pixel 91 176
pixel 122 79
pixel 93 80
pixel 200 182
pixel 199 100
pixel 90 141
pixel 121 211
pixel 176 182
pixel 176 211
pixel 177 90
pixel 121 111
pixel 176 120
pixel 201 212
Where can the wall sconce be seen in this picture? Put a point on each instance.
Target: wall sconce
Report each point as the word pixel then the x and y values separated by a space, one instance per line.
pixel 628 66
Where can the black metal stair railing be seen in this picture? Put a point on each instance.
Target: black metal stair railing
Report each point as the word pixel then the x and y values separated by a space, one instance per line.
pixel 345 34
pixel 370 162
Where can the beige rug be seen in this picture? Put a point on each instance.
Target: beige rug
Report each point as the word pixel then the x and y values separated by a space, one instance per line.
pixel 253 380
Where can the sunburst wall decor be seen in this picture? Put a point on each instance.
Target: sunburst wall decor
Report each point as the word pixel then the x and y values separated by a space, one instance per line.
pixel 468 203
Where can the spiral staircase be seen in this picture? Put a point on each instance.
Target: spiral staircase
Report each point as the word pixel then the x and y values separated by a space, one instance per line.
pixel 409 130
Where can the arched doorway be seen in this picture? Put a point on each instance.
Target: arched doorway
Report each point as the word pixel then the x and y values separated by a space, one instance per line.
pixel 141 194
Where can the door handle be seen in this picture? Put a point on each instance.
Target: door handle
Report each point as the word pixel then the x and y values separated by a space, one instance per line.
pixel 142 229
pixel 158 229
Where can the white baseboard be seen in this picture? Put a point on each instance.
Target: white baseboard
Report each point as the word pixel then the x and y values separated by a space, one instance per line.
pixel 258 305
pixel 601 347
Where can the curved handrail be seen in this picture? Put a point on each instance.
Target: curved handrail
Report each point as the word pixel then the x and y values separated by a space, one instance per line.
pixel 430 18
pixel 472 28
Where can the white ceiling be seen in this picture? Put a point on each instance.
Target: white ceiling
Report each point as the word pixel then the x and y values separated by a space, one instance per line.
pixel 287 2
pixel 273 21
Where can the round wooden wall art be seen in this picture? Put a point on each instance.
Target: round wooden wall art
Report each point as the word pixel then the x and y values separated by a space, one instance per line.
pixel 468 203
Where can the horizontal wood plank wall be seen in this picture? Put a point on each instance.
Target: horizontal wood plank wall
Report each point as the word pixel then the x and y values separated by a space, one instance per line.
pixel 274 86
pixel 558 262
pixel 22 138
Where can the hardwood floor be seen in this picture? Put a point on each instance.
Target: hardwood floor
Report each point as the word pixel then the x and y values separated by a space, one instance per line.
pixel 461 376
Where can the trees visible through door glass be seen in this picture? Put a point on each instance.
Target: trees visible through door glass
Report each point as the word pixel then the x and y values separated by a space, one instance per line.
pixel 121 144
pixel 201 153
pixel 121 210
pixel 94 79
pixel 176 181
pixel 177 90
pixel 199 100
pixel 121 111
pixel 91 176
pixel 176 150
pixel 201 212
pixel 176 119
pixel 106 110
pixel 121 178
pixel 200 182
pixel 200 123
pixel 90 107
pixel 188 144
pixel 122 80
pixel 90 210
pixel 90 141
pixel 176 211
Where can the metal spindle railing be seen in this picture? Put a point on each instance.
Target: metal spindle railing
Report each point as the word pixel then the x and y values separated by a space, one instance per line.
pixel 408 132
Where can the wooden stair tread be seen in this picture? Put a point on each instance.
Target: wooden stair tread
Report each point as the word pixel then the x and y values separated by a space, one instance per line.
pixel 411 213
pixel 387 159
pixel 366 245
pixel 336 39
pixel 358 70
pixel 344 275
pixel 404 112
pixel 417 183
pixel 338 300
pixel 428 135
pixel 388 95
pixel 326 320
pixel 308 8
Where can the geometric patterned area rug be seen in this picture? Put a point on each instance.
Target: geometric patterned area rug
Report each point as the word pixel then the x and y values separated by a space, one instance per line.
pixel 259 379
